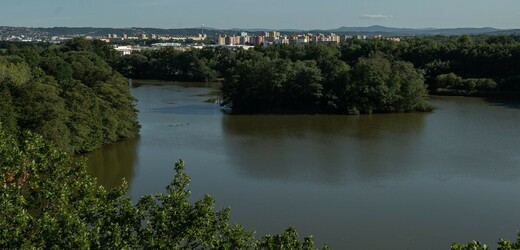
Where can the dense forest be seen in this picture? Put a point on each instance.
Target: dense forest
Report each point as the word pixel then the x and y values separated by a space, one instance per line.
pixel 360 76
pixel 69 94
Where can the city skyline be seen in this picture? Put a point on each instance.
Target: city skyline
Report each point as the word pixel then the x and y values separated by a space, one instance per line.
pixel 266 14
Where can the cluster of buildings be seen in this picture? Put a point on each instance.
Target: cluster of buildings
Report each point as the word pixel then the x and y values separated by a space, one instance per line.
pixel 114 38
pixel 34 39
pixel 275 37
pixel 244 40
pixel 143 41
pixel 129 49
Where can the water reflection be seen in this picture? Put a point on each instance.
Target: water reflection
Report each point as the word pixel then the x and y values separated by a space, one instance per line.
pixel 113 163
pixel 139 83
pixel 513 103
pixel 321 148
pixel 195 109
pixel 468 137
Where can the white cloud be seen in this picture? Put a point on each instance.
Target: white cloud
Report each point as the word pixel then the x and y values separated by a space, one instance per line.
pixel 376 17
pixel 151 3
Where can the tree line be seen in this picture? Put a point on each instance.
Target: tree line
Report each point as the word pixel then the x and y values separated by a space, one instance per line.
pixel 376 84
pixel 459 65
pixel 67 93
pixel 360 76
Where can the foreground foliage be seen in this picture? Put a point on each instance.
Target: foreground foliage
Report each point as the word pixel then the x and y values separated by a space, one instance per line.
pixel 476 245
pixel 68 94
pixel 48 201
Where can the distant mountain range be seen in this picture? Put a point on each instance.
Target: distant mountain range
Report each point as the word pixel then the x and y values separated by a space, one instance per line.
pixel 422 32
pixel 389 31
pixel 371 30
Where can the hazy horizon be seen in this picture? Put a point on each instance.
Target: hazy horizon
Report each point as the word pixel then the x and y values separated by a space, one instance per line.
pixel 265 14
pixel 257 28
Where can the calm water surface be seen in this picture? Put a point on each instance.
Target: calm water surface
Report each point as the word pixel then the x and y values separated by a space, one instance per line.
pixel 392 181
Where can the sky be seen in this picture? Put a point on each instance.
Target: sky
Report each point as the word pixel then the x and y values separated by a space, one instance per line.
pixel 268 14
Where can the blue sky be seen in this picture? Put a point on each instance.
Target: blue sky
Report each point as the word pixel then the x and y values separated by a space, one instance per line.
pixel 273 14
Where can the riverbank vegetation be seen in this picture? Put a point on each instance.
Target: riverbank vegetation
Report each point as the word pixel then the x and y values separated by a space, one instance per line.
pixel 48 201
pixel 68 94
pixel 477 245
